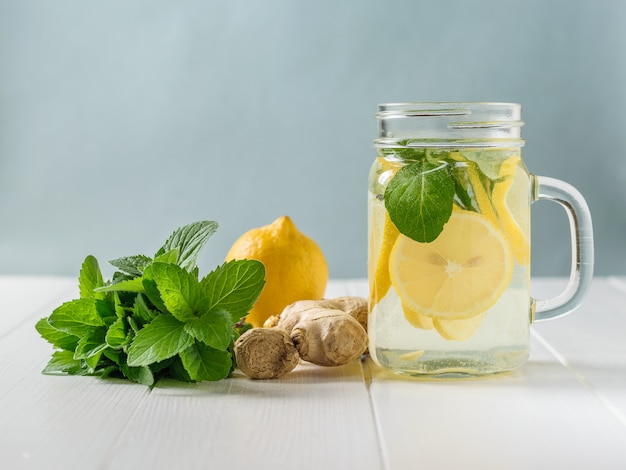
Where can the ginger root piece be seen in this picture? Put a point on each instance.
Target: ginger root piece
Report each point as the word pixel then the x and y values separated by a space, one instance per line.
pixel 356 307
pixel 266 353
pixel 329 337
pixel 330 332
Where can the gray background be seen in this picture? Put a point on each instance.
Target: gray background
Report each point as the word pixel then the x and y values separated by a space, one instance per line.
pixel 122 120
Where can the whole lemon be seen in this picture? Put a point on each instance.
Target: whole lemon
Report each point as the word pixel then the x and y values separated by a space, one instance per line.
pixel 295 267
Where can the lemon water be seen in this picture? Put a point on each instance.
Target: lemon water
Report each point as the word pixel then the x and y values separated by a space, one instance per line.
pixel 500 343
pixel 422 321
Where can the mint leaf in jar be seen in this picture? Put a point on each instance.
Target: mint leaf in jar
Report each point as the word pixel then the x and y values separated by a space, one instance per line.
pixel 419 199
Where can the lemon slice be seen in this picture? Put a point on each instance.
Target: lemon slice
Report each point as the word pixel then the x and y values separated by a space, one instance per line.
pixel 510 198
pixel 382 281
pixel 457 330
pixel 461 274
pixel 379 271
pixel 417 319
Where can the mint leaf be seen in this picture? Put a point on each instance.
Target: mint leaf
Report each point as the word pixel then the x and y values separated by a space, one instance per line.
pixel 91 344
pixel 142 375
pixel 141 310
pixel 179 290
pixel 206 363
pixel 90 278
pixel 151 290
pixel 63 362
pixel 77 317
pixel 488 161
pixel 125 285
pixel 214 329
pixel 164 337
pixel 106 310
pixel 56 337
pixel 419 200
pixel 169 256
pixel 133 265
pixel 117 334
pixel 461 184
pixel 235 286
pixel 189 240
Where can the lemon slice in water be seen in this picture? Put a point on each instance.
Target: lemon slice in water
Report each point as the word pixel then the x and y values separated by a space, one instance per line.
pixel 461 274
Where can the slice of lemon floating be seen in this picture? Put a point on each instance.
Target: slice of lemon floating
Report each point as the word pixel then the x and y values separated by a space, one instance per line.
pixel 382 282
pixel 510 197
pixel 461 274
pixel 457 330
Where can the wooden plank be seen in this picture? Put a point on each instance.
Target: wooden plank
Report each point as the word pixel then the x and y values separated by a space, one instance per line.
pixel 21 297
pixel 56 422
pixel 536 417
pixel 313 418
pixel 591 342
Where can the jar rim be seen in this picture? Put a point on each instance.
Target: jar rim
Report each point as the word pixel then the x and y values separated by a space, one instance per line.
pixel 445 108
pixel 446 123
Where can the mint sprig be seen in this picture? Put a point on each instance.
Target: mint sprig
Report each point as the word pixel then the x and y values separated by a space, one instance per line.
pixel 156 317
pixel 419 199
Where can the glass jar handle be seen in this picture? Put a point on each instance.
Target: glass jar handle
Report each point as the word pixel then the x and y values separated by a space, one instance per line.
pixel 581 230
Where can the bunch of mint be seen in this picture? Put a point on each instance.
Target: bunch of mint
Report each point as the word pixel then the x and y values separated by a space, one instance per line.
pixel 155 318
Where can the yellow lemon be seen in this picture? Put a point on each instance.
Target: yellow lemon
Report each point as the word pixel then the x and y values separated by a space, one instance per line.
pixel 295 267
pixel 461 274
pixel 481 194
pixel 511 200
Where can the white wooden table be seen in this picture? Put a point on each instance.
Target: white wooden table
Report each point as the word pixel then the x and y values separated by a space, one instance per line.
pixel 566 409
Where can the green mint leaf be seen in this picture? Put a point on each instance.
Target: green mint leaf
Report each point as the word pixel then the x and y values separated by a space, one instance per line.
pixel 164 337
pixel 141 375
pixel 151 290
pixel 63 362
pixel 120 310
pixel 177 371
pixel 180 291
pixel 419 200
pixel 91 344
pixel 214 328
pixel 189 240
pixel 56 337
pixel 235 286
pixel 488 161
pixel 77 317
pixel 206 363
pixel 142 311
pixel 90 278
pixel 169 256
pixel 133 265
pixel 461 183
pixel 106 310
pixel 114 355
pixel 125 285
pixel 117 335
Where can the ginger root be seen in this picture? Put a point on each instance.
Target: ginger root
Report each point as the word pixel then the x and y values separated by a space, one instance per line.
pixel 266 353
pixel 330 332
pixel 329 337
